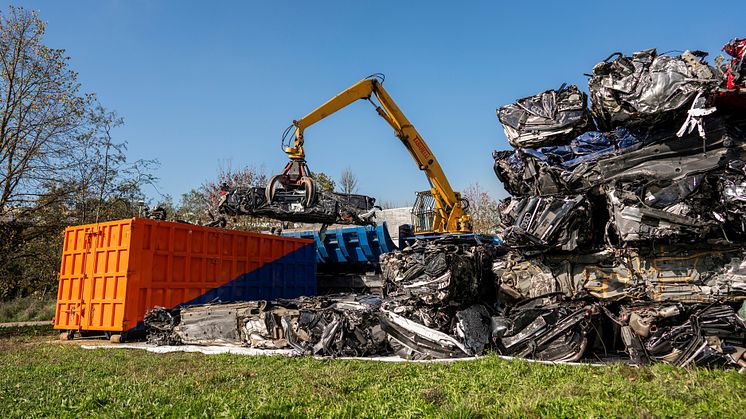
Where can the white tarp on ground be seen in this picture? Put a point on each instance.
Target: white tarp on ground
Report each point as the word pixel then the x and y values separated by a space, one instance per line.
pixel 207 350
pixel 242 350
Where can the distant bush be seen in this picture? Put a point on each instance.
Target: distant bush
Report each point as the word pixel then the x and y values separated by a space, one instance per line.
pixel 26 309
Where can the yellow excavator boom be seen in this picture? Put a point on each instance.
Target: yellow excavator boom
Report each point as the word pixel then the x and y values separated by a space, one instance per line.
pixel 449 214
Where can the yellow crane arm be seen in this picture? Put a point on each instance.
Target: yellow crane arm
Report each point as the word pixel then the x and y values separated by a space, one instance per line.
pixel 449 216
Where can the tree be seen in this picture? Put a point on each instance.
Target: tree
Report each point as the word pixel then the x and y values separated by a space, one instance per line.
pixel 324 182
pixel 482 209
pixel 209 194
pixel 96 183
pixel 41 109
pixel 100 183
pixel 193 207
pixel 59 163
pixel 348 181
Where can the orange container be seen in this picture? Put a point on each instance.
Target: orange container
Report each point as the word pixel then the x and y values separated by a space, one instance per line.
pixel 112 272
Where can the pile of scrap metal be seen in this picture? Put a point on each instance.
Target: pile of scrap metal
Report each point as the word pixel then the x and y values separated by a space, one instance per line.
pixel 438 301
pixel 627 240
pixel 293 206
pixel 343 325
pixel 438 298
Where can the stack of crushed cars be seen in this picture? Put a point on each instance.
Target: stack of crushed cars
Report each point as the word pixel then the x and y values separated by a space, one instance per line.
pixel 625 226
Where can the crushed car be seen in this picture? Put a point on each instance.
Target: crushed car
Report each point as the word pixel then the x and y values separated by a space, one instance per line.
pixel 337 325
pixel 326 207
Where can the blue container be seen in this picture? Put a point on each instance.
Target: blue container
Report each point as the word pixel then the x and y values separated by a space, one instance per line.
pixel 349 246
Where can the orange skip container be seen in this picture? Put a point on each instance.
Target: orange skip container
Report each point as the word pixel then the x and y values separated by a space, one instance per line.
pixel 112 272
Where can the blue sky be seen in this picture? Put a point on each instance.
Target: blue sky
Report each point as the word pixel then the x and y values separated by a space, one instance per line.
pixel 204 84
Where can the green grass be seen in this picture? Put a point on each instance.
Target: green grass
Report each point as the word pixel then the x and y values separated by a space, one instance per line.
pixel 26 309
pixel 20 334
pixel 40 377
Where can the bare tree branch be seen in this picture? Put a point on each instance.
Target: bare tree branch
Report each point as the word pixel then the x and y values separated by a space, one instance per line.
pixel 348 181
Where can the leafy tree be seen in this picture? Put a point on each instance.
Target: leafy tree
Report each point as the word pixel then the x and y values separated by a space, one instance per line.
pixel 41 110
pixel 324 182
pixel 101 184
pixel 193 207
pixel 97 184
pixel 59 164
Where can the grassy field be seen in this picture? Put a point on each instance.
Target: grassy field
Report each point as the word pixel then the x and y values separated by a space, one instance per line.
pixel 27 309
pixel 39 377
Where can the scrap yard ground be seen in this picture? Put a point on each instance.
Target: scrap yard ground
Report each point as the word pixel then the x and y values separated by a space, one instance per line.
pixel 40 376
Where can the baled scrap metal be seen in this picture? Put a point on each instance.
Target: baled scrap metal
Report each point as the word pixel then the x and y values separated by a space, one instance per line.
pixel 653 153
pixel 674 211
pixel 412 340
pixel 701 206
pixel 683 335
pixel 212 324
pixel 540 223
pixel 589 147
pixel 646 87
pixel 662 187
pixel 342 325
pixel 208 324
pixel 674 273
pixel 547 328
pixel 347 327
pixel 160 323
pixel 442 272
pixel 546 118
pixel 674 304
pixel 583 224
pixel 520 277
pixel 434 292
pixel 467 333
pixel 659 188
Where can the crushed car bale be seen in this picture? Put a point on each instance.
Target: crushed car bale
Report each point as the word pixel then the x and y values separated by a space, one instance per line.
pixel 436 296
pixel 160 323
pixel 339 325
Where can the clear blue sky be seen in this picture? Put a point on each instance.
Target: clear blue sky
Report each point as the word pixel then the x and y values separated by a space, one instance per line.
pixel 204 83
